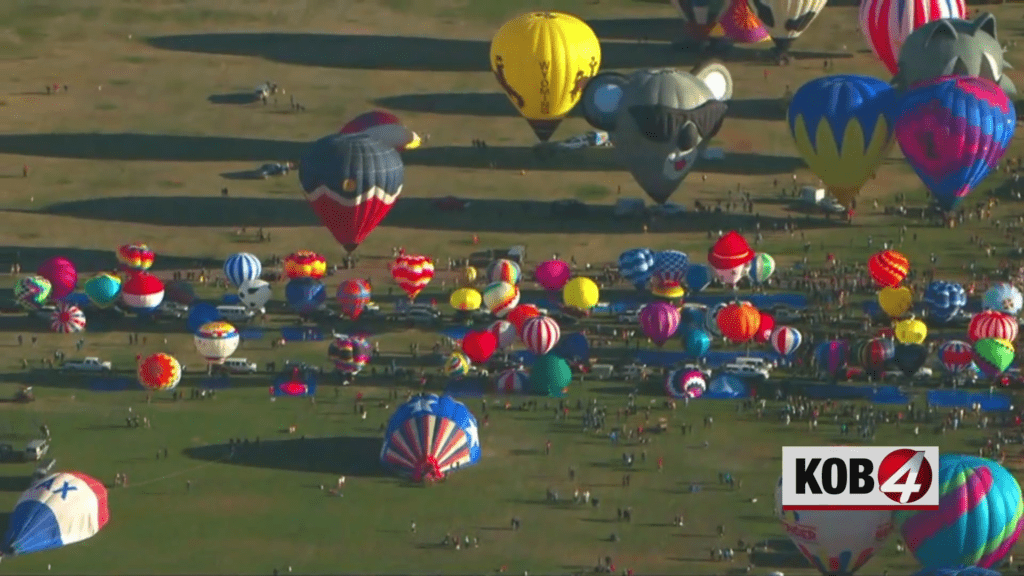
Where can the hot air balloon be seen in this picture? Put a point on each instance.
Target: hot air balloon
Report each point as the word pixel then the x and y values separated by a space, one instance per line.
pixel 243 266
pixel 180 291
pixel 698 277
pixel 349 354
pixel 1003 297
pixel 785 340
pixel 636 266
pixel 874 354
pixel 843 128
pixel 700 15
pixel 465 300
pixel 887 23
pixel 956 356
pixel 832 357
pixel 761 268
pixel 143 292
pixel 978 520
pixel 255 294
pixel 500 298
pixel 992 324
pixel 685 384
pixel 503 270
pixel 909 358
pixel 659 321
pixel 711 318
pixel 944 300
pixel 384 127
pixel 216 341
pixel 993 355
pixel 696 342
pixel 504 332
pixel 479 345
pixel 740 24
pixel 31 292
pixel 953 130
pixel 512 381
pixel 61 509
pixel 540 334
pixel 412 273
pixel 542 61
pixel 159 372
pixel 910 331
pixel 305 264
pixel 888 268
pixel 730 258
pixel 351 181
pixel 294 384
pixel 103 289
pixel 552 275
pixel 786 20
pixel 739 322
pixel 353 295
pixel 67 318
pixel 199 314
pixel 520 314
pixel 895 302
pixel 765 328
pixel 466 276
pixel 428 437
pixel 62 275
pixel 668 273
pixel 550 375
pixel 135 257
pixel 305 295
pixel 581 293
pixel 457 365
pixel 573 346
pixel 835 541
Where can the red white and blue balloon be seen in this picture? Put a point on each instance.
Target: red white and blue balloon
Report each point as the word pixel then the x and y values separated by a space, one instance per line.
pixel 58 510
pixel 428 437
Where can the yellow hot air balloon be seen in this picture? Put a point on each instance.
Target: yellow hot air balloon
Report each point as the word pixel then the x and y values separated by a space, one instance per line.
pixel 581 293
pixel 466 276
pixel 895 301
pixel 465 299
pixel 911 331
pixel 542 60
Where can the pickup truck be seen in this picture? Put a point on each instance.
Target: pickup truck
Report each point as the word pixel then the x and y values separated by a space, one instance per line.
pixel 87 365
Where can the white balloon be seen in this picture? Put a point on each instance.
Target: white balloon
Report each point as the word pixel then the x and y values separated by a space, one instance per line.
pixel 254 293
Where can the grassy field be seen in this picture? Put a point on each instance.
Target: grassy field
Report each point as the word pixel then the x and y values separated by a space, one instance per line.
pixel 145 137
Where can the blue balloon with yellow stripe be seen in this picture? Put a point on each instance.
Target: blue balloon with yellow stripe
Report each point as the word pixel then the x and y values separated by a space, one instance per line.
pixel 843 128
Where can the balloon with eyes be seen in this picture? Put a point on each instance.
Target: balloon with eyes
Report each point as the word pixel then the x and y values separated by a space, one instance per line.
pixel 954 47
pixel 659 120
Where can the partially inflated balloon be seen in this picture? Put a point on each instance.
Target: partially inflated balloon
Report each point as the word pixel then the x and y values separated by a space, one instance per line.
pixel 954 130
pixel 351 182
pixel 843 128
pixel 542 61
pixel 385 127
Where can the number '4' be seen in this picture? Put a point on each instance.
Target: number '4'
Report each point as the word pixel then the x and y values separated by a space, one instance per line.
pixel 904 480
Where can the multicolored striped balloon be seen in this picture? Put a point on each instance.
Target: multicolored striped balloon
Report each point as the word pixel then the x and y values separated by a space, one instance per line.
pixel 978 520
pixel 761 268
pixel 504 271
pixel 500 298
pixel 458 364
pixel 512 381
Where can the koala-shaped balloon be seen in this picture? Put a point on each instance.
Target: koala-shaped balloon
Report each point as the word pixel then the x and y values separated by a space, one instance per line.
pixel 954 47
pixel 659 120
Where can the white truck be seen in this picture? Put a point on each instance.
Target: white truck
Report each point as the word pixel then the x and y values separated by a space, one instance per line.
pixel 91 364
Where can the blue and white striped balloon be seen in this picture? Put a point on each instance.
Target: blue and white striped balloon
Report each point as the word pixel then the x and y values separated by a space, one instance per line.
pixel 636 266
pixel 241 267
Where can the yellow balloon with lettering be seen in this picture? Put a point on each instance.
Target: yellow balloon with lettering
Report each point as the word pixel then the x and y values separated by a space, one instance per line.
pixel 911 331
pixel 542 61
pixel 895 301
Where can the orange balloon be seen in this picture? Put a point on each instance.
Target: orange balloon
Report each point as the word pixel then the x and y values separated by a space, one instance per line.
pixel 739 322
pixel 520 314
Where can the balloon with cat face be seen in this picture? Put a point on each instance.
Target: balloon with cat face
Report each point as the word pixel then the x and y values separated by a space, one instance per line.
pixel 659 120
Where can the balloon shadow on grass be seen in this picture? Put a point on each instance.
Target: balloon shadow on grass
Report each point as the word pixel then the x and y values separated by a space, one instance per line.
pixel 341 455
pixel 14 484
pixel 236 98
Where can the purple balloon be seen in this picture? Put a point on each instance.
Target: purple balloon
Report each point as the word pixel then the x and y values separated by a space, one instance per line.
pixel 659 321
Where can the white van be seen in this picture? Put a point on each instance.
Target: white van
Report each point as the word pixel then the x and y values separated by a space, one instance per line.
pixel 759 363
pixel 36 449
pixel 601 371
pixel 233 313
pixel 240 366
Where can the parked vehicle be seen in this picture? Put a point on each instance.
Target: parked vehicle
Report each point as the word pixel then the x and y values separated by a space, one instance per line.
pixel 239 366
pixel 36 449
pixel 90 364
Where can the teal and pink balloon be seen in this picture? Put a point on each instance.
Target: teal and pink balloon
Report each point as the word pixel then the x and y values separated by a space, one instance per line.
pixel 1003 297
pixel 698 277
pixel 103 289
pixel 761 268
pixel 659 321
pixel 636 266
pixel 832 357
pixel 31 292
pixel 979 517
pixel 696 341
pixel 993 355
pixel 954 130
pixel 552 275
pixel 62 275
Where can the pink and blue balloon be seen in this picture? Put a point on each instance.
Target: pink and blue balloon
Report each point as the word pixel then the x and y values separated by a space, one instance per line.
pixel 978 521
pixel 954 130
pixel 944 300
pixel 832 357
pixel 682 384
